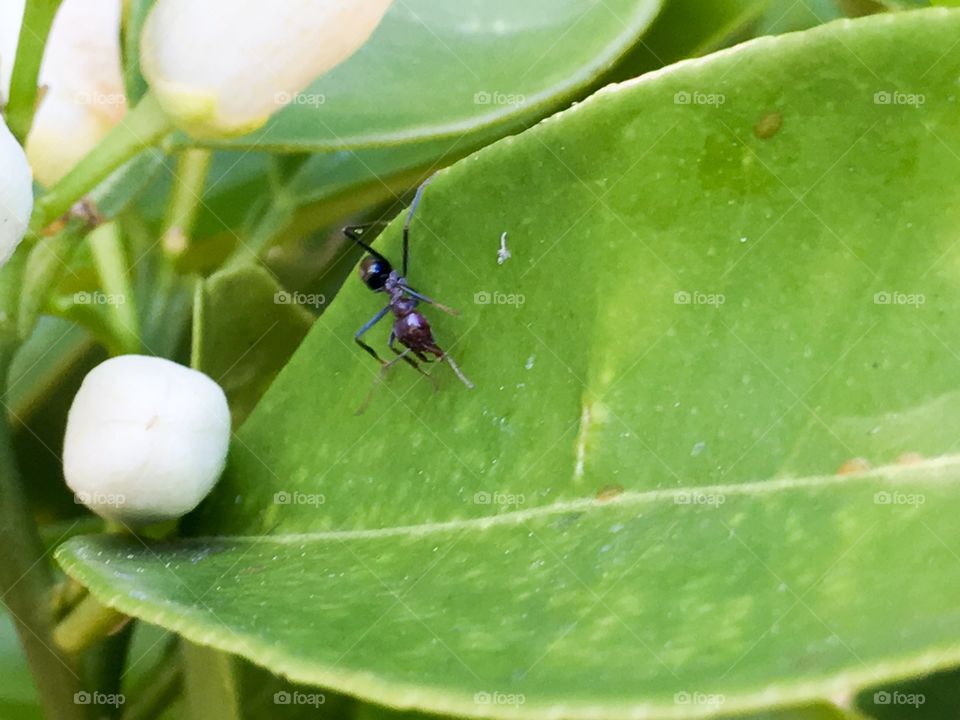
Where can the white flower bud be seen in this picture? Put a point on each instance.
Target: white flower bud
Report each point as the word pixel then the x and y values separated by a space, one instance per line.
pixel 16 193
pixel 146 439
pixel 11 17
pixel 222 67
pixel 84 94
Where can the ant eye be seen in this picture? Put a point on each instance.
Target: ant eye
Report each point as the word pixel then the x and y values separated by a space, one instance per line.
pixel 374 272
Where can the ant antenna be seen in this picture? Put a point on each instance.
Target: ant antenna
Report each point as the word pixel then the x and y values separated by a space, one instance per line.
pixel 406 225
pixel 357 232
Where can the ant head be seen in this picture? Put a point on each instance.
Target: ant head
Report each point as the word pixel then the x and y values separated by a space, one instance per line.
pixel 374 272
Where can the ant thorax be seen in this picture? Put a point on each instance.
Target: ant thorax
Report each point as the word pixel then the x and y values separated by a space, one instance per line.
pixel 394 283
pixel 400 303
pixel 403 306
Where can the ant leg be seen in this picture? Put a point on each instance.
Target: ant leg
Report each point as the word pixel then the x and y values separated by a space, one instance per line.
pixel 410 361
pixel 369 324
pixel 439 306
pixel 379 379
pixel 457 370
pixel 406 225
pixel 401 355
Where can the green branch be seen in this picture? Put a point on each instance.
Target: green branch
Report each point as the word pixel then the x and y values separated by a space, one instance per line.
pixel 88 623
pixel 142 128
pixel 112 266
pixel 37 19
pixel 170 303
pixel 26 583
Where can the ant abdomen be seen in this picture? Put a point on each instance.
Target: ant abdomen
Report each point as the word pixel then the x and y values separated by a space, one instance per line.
pixel 413 331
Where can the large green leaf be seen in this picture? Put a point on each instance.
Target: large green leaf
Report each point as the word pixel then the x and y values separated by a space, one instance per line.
pixel 367 711
pixel 927 698
pixel 785 16
pixel 245 329
pixel 687 28
pixel 435 68
pixel 18 697
pixel 728 280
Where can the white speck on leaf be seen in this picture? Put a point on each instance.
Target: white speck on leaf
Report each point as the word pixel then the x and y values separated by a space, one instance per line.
pixel 582 441
pixel 503 254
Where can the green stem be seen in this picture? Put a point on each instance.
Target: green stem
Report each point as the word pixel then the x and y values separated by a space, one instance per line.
pixel 46 263
pixel 37 19
pixel 11 289
pixel 26 583
pixel 184 204
pixel 196 344
pixel 171 293
pixel 86 624
pixel 162 689
pixel 141 128
pixel 132 19
pixel 103 667
pixel 185 198
pixel 66 595
pixel 111 263
pixel 211 685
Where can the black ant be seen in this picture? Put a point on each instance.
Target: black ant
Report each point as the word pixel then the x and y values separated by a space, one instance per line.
pixel 410 327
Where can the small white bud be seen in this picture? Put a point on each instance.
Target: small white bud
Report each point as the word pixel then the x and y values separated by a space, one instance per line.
pixel 223 67
pixel 146 439
pixel 84 95
pixel 16 193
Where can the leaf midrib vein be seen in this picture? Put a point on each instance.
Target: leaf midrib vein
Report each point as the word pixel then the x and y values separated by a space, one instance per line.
pixel 914 472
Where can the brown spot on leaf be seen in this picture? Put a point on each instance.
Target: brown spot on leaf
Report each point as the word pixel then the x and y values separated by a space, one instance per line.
pixel 768 125
pixel 853 466
pixel 910 458
pixel 609 492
